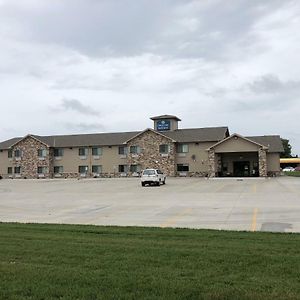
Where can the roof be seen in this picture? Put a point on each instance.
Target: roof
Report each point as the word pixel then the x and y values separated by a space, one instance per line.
pixel 163 117
pixel 273 142
pixel 151 130
pixel 212 134
pixel 207 134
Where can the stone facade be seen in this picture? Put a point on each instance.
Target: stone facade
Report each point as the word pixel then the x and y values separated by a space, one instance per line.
pixel 149 156
pixel 211 163
pixel 262 162
pixel 29 161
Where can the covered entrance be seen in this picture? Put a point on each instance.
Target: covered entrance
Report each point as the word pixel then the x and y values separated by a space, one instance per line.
pixel 242 164
pixel 237 156
pixel 241 168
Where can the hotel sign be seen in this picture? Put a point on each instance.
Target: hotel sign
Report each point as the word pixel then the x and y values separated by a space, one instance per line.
pixel 163 125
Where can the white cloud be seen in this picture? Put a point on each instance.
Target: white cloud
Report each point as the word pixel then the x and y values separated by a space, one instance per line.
pixel 210 63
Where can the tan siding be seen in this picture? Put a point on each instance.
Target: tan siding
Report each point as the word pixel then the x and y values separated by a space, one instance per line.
pixel 236 145
pixel 200 164
pixel 273 162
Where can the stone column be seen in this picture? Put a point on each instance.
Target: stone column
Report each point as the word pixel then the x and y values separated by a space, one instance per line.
pixel 262 161
pixel 211 163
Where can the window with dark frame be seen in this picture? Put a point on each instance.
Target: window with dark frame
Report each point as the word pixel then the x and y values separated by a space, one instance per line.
pixel 83 151
pixel 182 167
pixel 58 152
pixel 83 169
pixel 164 149
pixel 96 151
pixel 182 148
pixel 97 169
pixel 58 169
pixel 135 149
pixel 17 170
pixel 122 150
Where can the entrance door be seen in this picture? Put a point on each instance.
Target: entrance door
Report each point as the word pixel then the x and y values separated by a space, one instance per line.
pixel 241 168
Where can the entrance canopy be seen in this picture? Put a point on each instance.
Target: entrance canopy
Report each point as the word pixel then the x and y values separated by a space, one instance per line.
pixel 239 157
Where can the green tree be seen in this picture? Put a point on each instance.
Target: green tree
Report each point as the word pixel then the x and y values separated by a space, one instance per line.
pixel 287 149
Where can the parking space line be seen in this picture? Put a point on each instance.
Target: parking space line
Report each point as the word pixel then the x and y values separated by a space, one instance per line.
pixel 173 220
pixel 254 188
pixel 254 218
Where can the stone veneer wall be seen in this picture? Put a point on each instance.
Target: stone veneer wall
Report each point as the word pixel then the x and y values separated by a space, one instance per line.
pixel 212 163
pixel 150 157
pixel 262 162
pixel 29 161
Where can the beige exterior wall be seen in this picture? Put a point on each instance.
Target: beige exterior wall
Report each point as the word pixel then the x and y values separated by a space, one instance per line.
pixel 236 145
pixel 5 162
pixel 196 158
pixel 109 160
pixel 273 162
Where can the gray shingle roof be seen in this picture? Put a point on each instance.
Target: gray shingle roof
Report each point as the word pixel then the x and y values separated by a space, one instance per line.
pixel 118 138
pixel 273 142
pixel 211 134
pixel 208 134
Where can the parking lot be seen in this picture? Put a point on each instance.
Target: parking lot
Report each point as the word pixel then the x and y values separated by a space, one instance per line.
pixel 237 204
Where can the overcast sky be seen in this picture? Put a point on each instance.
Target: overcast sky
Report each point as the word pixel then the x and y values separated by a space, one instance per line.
pixel 85 66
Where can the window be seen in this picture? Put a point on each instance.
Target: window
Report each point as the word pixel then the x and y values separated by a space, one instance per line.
pixel 164 149
pixel 123 168
pixel 42 153
pixel 135 168
pixel 97 169
pixel 58 152
pixel 58 169
pixel 83 151
pixel 182 148
pixel 83 169
pixel 42 170
pixel 135 149
pixel 122 150
pixel 17 170
pixel 9 170
pixel 9 154
pixel 182 167
pixel 96 151
pixel 17 153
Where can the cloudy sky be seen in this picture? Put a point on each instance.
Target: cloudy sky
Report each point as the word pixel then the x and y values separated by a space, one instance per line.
pixel 83 66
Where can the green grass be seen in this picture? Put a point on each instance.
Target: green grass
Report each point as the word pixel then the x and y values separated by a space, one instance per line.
pixel 90 262
pixel 294 174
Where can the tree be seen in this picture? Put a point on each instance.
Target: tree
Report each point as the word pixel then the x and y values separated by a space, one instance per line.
pixel 287 148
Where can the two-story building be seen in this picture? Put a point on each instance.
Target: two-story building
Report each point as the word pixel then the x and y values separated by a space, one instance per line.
pixel 208 151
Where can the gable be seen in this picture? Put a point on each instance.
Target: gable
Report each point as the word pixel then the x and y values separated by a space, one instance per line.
pixel 236 143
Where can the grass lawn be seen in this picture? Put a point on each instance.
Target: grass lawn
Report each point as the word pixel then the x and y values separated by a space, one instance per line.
pixel 294 174
pixel 94 262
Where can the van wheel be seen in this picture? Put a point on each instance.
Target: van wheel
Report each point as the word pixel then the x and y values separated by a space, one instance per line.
pixel 164 182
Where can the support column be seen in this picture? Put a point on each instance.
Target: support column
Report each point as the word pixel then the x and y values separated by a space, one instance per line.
pixel 211 163
pixel 262 162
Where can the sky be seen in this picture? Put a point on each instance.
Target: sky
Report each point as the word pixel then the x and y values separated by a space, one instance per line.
pixel 86 66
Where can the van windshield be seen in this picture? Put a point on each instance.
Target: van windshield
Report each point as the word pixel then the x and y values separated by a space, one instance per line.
pixel 149 172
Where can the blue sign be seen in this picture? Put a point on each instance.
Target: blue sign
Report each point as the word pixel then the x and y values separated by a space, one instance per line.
pixel 163 125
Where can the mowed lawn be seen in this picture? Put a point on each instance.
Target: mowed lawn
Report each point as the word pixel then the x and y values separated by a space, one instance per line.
pixel 94 262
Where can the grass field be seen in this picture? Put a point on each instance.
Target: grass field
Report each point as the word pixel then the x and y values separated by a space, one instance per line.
pixel 90 262
pixel 294 174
